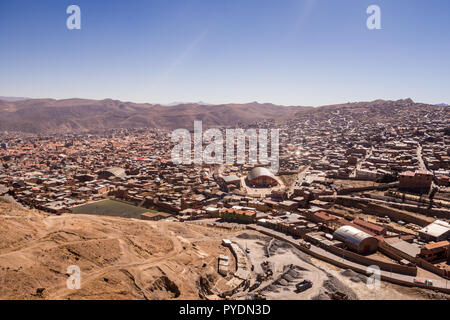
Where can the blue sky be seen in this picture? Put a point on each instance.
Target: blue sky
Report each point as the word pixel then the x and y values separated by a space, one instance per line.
pixel 291 52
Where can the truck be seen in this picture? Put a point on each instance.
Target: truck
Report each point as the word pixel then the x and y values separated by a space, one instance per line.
pixel 303 286
pixel 424 282
pixel 305 244
pixel 419 281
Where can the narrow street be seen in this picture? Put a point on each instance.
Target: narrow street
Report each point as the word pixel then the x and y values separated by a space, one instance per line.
pixel 298 182
pixel 422 165
pixel 360 162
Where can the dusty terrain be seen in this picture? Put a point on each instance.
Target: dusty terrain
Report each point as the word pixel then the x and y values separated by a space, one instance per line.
pixel 387 291
pixel 119 258
pixel 290 266
pixel 122 258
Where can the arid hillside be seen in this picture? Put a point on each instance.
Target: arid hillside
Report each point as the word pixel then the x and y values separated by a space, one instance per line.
pixel 119 258
pixel 80 115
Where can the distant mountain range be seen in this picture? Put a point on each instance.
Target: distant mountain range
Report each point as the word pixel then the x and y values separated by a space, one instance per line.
pixel 83 115
pixel 442 105
pixel 13 98
pixel 178 103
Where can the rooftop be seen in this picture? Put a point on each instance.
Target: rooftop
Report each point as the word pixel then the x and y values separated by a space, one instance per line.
pixel 259 172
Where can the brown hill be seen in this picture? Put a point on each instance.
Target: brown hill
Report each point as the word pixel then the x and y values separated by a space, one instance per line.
pixel 48 115
pixel 81 115
pixel 119 258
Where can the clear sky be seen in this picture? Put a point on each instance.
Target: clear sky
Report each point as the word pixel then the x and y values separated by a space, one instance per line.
pixel 291 52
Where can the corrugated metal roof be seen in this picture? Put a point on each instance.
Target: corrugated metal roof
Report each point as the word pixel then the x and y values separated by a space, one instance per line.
pixel 410 249
pixel 259 172
pixel 351 235
pixel 436 229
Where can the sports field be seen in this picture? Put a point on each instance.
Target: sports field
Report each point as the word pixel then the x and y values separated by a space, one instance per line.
pixel 111 208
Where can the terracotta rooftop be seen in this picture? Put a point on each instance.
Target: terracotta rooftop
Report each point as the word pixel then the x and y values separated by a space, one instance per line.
pixel 436 245
pixel 370 226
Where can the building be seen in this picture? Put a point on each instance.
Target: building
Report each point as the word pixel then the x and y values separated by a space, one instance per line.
pixel 406 250
pixel 443 180
pixel 419 180
pixel 230 182
pixel 242 216
pixel 364 174
pixel 322 217
pixel 233 179
pixel 288 205
pixel 356 240
pixel 261 178
pixel 112 172
pixel 435 251
pixel 154 216
pixel 379 230
pixel 439 230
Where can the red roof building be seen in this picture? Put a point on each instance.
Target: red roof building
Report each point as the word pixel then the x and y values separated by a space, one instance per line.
pixel 370 226
pixel 322 216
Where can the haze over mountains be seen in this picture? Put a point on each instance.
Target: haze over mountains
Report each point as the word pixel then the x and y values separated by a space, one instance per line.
pixel 49 115
pixel 82 115
pixel 13 98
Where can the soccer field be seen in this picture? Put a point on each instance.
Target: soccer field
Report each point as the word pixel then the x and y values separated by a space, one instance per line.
pixel 111 208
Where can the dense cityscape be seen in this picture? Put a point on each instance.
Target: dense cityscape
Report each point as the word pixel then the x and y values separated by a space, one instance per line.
pixel 225 159
pixel 355 188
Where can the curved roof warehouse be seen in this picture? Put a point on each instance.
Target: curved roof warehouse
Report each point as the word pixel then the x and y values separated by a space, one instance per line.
pixel 261 177
pixel 356 239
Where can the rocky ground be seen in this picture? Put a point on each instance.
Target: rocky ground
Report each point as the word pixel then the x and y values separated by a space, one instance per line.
pixel 289 266
pixel 355 285
pixel 118 258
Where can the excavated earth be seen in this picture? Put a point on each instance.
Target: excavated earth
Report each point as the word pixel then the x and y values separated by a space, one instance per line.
pixel 118 258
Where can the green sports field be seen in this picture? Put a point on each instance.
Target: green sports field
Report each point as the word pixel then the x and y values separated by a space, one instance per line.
pixel 111 208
